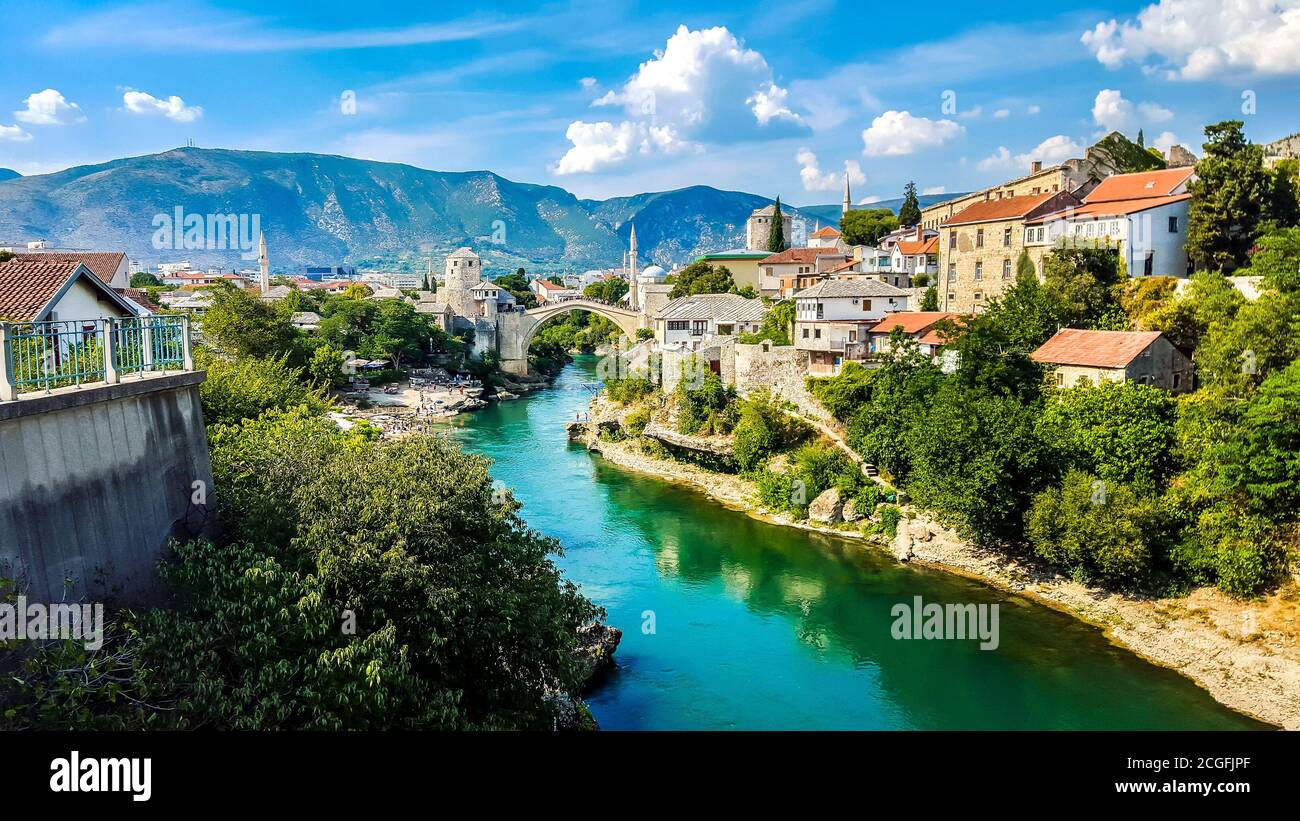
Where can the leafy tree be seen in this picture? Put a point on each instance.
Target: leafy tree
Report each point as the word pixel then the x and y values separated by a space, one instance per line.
pixel 776 326
pixel 241 325
pixel 144 279
pixel 1283 206
pixel 930 299
pixel 762 430
pixel 1210 298
pixel 844 393
pixel 700 277
pixel 909 214
pixel 867 226
pixel 1228 198
pixel 1025 265
pixel 517 285
pixel 1277 260
pixel 246 388
pixel 1107 532
pixel 607 290
pixel 397 332
pixel 976 459
pixel 326 366
pixel 1262 338
pixel 776 240
pixel 1083 279
pixel 1259 462
pixel 708 409
pixel 1121 432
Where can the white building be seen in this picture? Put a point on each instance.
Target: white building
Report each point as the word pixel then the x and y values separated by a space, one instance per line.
pixel 1143 215
pixel 548 291
pixel 393 279
pixel 832 320
pixel 919 254
pixel 689 321
pixel 58 290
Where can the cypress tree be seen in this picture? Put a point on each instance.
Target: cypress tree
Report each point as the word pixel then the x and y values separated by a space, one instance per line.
pixel 910 212
pixel 776 234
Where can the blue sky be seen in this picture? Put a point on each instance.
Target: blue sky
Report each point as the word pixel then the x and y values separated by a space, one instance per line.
pixel 612 98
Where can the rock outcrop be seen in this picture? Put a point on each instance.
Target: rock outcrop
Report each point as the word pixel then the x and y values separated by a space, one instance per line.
pixel 850 513
pixel 596 645
pixel 827 508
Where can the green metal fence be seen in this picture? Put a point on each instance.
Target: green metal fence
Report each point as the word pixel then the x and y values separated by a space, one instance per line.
pixel 43 356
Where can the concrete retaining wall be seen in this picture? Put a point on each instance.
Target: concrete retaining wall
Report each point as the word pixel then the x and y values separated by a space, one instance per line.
pixel 94 481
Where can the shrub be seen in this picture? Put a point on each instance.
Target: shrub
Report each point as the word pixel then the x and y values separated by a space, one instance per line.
pixel 890 515
pixel 247 388
pixel 636 421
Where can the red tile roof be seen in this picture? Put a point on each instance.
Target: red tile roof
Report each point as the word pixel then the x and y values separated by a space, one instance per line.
pixel 140 297
pixel 916 247
pixel 828 231
pixel 911 322
pixel 1142 185
pixel 103 264
pixel 1121 208
pixel 1094 349
pixel 27 286
pixel 1006 208
pixel 799 255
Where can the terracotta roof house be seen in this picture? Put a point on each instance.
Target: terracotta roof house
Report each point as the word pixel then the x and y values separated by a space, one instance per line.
pixel 110 266
pixel 59 289
pixel 1092 357
pixel 1143 216
pixel 796 268
pixel 920 325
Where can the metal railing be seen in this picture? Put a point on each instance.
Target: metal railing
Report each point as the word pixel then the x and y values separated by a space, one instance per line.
pixel 43 356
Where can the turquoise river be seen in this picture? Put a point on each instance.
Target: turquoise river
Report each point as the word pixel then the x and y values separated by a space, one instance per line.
pixel 757 626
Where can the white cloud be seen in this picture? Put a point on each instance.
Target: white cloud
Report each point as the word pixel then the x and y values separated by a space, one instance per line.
pixel 13 134
pixel 1201 39
pixel 898 133
pixel 934 189
pixel 48 107
pixel 1001 113
pixel 1165 141
pixel 1114 113
pixel 707 86
pixel 1052 151
pixel 1154 113
pixel 587 82
pixel 871 199
pixel 173 108
pixel 703 87
pixel 971 113
pixel 814 179
pixel 1034 109
pixel 597 146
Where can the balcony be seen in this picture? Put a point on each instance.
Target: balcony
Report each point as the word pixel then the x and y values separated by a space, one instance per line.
pixel 37 358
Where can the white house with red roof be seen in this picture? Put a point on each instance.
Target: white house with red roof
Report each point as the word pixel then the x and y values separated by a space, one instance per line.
pixel 548 291
pixel 1143 214
pixel 828 237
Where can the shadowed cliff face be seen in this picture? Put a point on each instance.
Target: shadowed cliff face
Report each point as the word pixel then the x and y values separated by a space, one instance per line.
pixel 319 209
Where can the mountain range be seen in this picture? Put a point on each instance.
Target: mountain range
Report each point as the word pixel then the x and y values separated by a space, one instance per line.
pixel 318 209
pixel 8 174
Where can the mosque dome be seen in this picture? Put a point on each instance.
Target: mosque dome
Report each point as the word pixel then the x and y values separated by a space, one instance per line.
pixel 654 272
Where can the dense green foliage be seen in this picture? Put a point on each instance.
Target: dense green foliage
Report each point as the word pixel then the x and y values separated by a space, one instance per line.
pixel 777 241
pixel 909 213
pixel 701 277
pixel 867 226
pixel 777 325
pixel 763 430
pixel 706 409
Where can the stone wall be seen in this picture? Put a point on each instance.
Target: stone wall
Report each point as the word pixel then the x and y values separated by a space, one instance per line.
pixel 94 481
pixel 782 369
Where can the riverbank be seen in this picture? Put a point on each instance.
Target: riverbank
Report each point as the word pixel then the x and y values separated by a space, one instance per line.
pixel 1245 654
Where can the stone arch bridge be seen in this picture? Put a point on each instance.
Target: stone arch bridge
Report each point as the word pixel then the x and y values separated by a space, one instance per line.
pixel 515 330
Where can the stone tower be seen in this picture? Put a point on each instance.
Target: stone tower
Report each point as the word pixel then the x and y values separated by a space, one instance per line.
pixel 462 272
pixel 263 263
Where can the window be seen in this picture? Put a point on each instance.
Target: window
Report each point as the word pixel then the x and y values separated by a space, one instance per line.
pixel 1006 238
pixel 952 272
pixel 952 241
pixel 699 326
pixel 979 271
pixel 821 310
pixel 978 296
pixel 817 333
pixel 979 238
pixel 677 325
pixel 1173 225
pixel 952 297
pixel 1006 269
pixel 1178 378
pixel 866 305
pixel 805 333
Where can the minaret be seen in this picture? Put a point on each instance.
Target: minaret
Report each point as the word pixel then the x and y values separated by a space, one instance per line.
pixel 848 201
pixel 263 263
pixel 633 298
pixel 429 281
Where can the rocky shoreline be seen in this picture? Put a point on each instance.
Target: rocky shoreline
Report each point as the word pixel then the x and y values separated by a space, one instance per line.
pixel 1245 654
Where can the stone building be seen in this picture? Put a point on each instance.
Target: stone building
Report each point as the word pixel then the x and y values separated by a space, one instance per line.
pixel 979 247
pixel 1092 357
pixel 759 226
